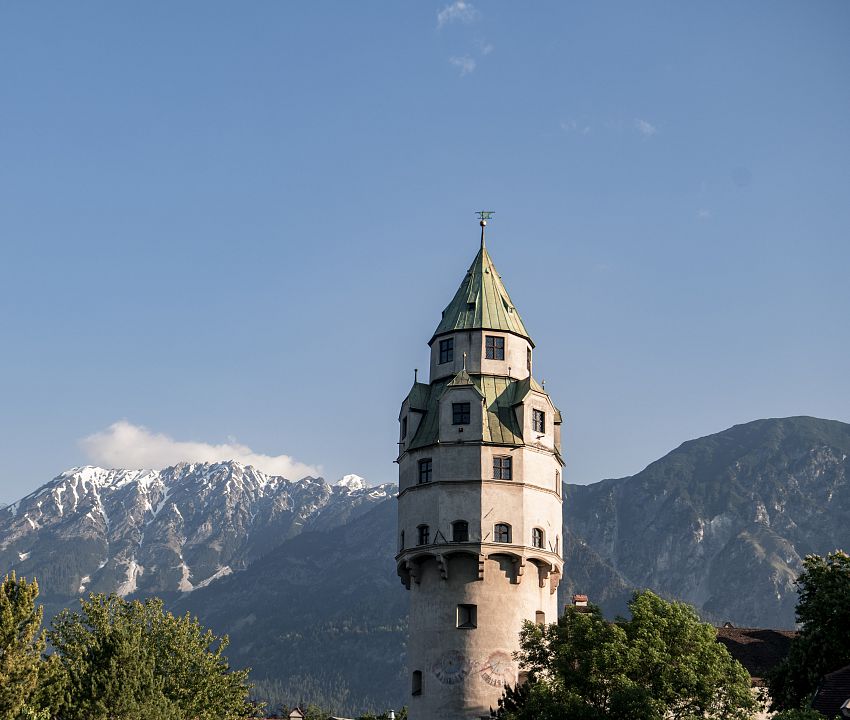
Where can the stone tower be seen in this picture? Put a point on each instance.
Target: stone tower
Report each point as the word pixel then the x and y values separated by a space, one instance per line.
pixel 479 504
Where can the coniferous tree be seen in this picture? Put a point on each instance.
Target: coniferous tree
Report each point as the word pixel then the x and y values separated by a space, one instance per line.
pixel 29 684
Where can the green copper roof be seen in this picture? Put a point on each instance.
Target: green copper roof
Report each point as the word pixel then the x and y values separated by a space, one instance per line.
pixel 481 302
pixel 500 425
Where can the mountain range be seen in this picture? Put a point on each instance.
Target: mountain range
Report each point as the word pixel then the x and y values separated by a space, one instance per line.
pixel 300 574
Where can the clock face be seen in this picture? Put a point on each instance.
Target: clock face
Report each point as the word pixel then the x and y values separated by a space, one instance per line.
pixel 499 669
pixel 452 668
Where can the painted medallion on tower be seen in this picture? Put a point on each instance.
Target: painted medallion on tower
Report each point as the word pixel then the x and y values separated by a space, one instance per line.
pixel 452 668
pixel 499 669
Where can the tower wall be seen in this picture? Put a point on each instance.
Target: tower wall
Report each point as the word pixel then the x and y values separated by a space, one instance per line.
pixel 464 670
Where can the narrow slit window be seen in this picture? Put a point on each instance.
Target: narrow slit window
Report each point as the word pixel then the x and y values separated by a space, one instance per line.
pixel 401 541
pixel 528 359
pixel 404 427
pixel 460 413
pixel 416 683
pixel 494 347
pixel 502 467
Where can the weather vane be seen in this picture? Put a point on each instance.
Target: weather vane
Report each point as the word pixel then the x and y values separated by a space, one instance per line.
pixel 485 214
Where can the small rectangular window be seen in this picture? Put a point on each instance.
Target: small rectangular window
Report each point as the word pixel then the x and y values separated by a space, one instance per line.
pixel 540 618
pixel 538 420
pixel 425 471
pixel 460 531
pixel 424 534
pixel 501 468
pixel 467 616
pixel 416 683
pixel 494 347
pixel 447 350
pixel 460 413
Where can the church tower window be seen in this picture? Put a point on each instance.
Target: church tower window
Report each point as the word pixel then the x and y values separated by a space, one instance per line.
pixel 460 531
pixel 460 413
pixel 425 471
pixel 502 533
pixel 537 538
pixel 495 347
pixel 447 351
pixel 416 683
pixel 502 467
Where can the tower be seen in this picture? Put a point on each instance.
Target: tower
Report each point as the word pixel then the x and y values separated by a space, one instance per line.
pixel 479 504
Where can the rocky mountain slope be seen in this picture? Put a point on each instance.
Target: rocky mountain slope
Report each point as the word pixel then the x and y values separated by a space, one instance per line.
pixel 722 522
pixel 301 575
pixel 164 532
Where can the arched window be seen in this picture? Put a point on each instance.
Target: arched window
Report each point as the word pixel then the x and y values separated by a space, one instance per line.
pixel 401 541
pixel 460 531
pixel 502 532
pixel 416 683
pixel 424 534
pixel 537 538
pixel 557 545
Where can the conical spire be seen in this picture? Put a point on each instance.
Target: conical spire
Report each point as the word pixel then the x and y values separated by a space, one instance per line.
pixel 482 302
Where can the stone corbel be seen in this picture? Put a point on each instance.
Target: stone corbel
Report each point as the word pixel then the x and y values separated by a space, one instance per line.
pixel 520 569
pixel 414 571
pixel 554 581
pixel 443 564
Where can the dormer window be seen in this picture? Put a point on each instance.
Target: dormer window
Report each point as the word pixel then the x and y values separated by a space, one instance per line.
pixel 460 413
pixel 447 350
pixel 494 347
pixel 538 421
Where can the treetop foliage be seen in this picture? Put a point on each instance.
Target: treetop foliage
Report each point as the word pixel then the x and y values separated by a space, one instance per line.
pixel 662 664
pixel 823 643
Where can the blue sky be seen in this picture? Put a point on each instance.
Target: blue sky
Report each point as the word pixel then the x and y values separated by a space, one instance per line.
pixel 237 223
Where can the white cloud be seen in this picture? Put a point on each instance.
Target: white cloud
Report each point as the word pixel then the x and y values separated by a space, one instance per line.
pixel 124 445
pixel 645 128
pixel 703 214
pixel 485 48
pixel 458 11
pixel 464 63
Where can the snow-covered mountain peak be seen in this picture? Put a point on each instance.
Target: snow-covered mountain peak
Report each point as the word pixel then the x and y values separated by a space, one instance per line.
pixel 351 483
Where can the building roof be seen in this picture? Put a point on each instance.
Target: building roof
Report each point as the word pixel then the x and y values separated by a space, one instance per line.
pixel 482 302
pixel 832 693
pixel 500 425
pixel 759 650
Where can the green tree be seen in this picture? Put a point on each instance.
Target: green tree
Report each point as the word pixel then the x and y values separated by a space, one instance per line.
pixel 29 683
pixel 662 664
pixel 134 661
pixel 823 643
